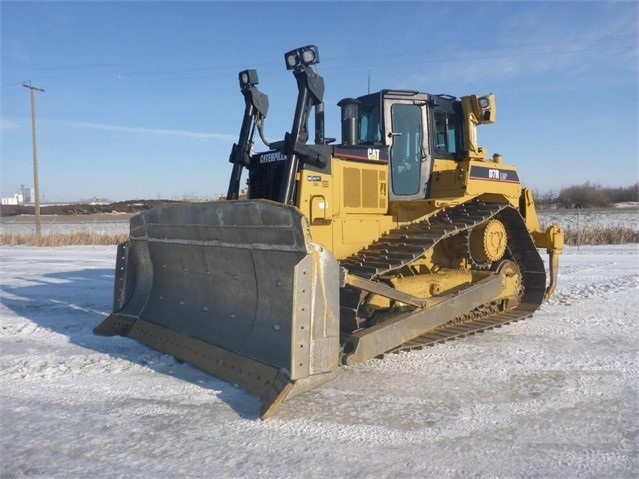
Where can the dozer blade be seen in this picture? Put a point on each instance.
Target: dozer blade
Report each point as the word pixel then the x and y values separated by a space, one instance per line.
pixel 235 288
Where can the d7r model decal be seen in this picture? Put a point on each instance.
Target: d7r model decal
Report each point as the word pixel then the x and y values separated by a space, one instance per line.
pixel 493 174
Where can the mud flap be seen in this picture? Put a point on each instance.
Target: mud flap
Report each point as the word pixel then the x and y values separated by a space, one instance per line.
pixel 235 288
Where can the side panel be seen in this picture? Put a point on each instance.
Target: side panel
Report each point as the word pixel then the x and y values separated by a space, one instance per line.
pixel 473 178
pixel 488 177
pixel 348 209
pixel 364 187
pixel 448 179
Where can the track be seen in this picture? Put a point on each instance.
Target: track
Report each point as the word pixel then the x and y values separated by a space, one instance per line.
pixel 406 245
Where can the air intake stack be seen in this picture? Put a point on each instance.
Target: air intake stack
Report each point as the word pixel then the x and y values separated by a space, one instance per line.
pixel 350 120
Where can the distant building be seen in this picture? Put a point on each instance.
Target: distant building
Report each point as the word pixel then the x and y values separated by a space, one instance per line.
pixel 17 199
pixel 22 197
pixel 28 194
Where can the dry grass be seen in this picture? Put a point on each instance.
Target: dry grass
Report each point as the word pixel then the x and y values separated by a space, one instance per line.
pixel 60 239
pixel 601 235
pixel 587 236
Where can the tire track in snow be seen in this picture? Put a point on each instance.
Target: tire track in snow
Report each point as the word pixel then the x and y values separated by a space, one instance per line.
pixel 602 288
pixel 579 270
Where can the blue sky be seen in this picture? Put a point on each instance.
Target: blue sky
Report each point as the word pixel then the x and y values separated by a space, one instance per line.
pixel 142 99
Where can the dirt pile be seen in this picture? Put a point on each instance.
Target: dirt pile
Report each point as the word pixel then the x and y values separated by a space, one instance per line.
pixel 132 206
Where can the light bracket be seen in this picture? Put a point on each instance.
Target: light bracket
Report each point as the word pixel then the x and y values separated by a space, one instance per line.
pixel 301 57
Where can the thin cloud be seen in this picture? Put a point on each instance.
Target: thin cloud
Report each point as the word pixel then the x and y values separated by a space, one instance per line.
pixel 542 42
pixel 166 132
pixel 8 125
pixel 613 34
pixel 14 50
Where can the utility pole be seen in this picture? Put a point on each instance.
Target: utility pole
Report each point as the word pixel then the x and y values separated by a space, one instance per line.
pixel 36 182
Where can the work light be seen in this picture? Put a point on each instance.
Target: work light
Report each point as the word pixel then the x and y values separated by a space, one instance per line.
pixel 248 78
pixel 305 56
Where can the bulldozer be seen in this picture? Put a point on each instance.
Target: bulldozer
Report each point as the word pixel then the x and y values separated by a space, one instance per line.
pixel 402 235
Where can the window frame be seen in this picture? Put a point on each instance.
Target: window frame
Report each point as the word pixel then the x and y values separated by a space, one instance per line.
pixel 452 109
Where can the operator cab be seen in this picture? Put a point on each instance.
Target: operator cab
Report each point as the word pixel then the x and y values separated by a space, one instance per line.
pixel 415 127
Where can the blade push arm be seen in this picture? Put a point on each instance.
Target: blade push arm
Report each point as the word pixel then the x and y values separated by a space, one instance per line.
pixel 310 86
pixel 256 107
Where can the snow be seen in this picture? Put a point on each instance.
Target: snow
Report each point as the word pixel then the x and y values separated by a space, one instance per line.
pixel 102 224
pixel 552 396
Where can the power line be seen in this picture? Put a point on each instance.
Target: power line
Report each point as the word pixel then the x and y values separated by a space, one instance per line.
pixel 478 58
pixel 483 48
pixel 362 60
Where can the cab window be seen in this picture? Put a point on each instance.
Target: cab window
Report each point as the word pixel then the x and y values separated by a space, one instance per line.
pixel 407 148
pixel 369 125
pixel 446 132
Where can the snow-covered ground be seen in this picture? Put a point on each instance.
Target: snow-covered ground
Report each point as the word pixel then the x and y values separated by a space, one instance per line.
pixel 552 396
pixel 103 224
pixel 626 216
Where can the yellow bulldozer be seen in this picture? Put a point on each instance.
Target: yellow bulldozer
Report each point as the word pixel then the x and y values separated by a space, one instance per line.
pixel 404 234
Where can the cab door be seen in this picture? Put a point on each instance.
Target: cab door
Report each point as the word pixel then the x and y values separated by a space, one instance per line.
pixel 406 134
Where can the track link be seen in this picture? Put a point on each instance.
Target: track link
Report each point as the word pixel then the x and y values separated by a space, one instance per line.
pixel 406 245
